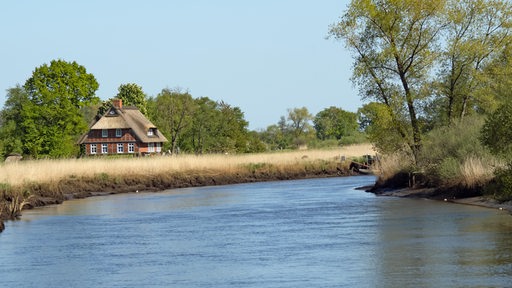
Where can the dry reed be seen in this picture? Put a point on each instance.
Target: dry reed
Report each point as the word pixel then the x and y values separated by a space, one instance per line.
pixel 48 171
pixel 391 164
pixel 477 171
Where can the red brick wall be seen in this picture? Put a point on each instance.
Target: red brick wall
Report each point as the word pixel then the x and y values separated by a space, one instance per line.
pixel 95 136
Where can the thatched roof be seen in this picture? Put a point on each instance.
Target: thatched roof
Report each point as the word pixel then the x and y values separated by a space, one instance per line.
pixel 125 118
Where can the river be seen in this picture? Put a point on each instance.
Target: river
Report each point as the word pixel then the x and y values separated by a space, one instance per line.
pixel 303 233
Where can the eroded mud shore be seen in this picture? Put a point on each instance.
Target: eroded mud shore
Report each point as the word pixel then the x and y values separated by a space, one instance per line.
pixel 446 195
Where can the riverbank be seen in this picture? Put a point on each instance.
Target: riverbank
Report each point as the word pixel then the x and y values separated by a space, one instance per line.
pixel 447 195
pixel 43 195
pixel 30 184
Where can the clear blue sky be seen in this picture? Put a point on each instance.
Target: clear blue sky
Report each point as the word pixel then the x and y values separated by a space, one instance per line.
pixel 263 56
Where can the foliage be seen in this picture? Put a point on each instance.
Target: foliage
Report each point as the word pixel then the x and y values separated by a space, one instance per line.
pixel 477 35
pixel 11 120
pixel 172 111
pixel 500 187
pixel 382 128
pixel 394 43
pixel 201 125
pixel 42 118
pixel 132 94
pixel 292 131
pixel 446 151
pixel 443 55
pixel 496 132
pixel 357 138
pixel 275 137
pixel 299 122
pixel 335 123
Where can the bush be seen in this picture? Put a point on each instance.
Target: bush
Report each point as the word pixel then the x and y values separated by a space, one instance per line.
pixel 356 138
pixel 448 150
pixel 501 186
pixel 496 132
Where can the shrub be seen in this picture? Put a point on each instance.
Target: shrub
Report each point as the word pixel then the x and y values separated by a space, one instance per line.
pixel 496 133
pixel 453 155
pixel 500 187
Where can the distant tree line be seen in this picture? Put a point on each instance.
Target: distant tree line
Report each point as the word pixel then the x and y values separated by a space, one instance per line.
pixel 44 118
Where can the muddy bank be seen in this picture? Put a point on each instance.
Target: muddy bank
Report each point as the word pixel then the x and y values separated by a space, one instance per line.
pixel 454 195
pixel 43 194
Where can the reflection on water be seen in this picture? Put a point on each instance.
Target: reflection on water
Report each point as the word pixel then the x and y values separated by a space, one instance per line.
pixel 307 233
pixel 435 245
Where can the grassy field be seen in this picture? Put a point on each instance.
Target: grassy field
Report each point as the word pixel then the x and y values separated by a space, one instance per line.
pixel 41 171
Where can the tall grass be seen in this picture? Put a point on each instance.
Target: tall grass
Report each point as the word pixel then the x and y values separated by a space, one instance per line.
pixel 452 157
pixel 390 165
pixel 46 171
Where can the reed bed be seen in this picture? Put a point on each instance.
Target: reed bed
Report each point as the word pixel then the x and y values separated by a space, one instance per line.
pixel 48 171
pixel 477 171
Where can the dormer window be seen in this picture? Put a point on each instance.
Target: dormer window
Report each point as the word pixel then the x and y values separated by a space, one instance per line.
pixel 151 132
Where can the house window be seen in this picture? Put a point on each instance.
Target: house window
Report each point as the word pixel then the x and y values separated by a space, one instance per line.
pixel 93 149
pixel 104 148
pixel 120 148
pixel 104 133
pixel 158 147
pixel 151 132
pixel 119 132
pixel 131 147
pixel 151 147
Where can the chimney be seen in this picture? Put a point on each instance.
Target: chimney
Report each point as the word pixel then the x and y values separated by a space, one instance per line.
pixel 117 103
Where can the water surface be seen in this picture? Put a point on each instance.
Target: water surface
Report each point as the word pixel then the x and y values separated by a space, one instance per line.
pixel 306 233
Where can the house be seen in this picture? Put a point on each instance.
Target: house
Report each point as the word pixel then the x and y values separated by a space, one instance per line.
pixel 122 130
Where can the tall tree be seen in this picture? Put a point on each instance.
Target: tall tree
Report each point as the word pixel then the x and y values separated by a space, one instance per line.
pixel 381 127
pixel 132 94
pixel 11 133
pixel 172 111
pixel 51 118
pixel 335 123
pixel 299 121
pixel 200 136
pixel 395 48
pixel 232 129
pixel 477 33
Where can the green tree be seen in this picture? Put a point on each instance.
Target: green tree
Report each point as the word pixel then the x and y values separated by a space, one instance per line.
pixel 428 61
pixel 299 125
pixel 11 133
pixel 199 137
pixel 51 118
pixel 231 129
pixel 132 94
pixel 299 121
pixel 173 110
pixel 395 47
pixel 477 34
pixel 275 137
pixel 335 123
pixel 380 125
pixel 497 136
pixel 496 132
